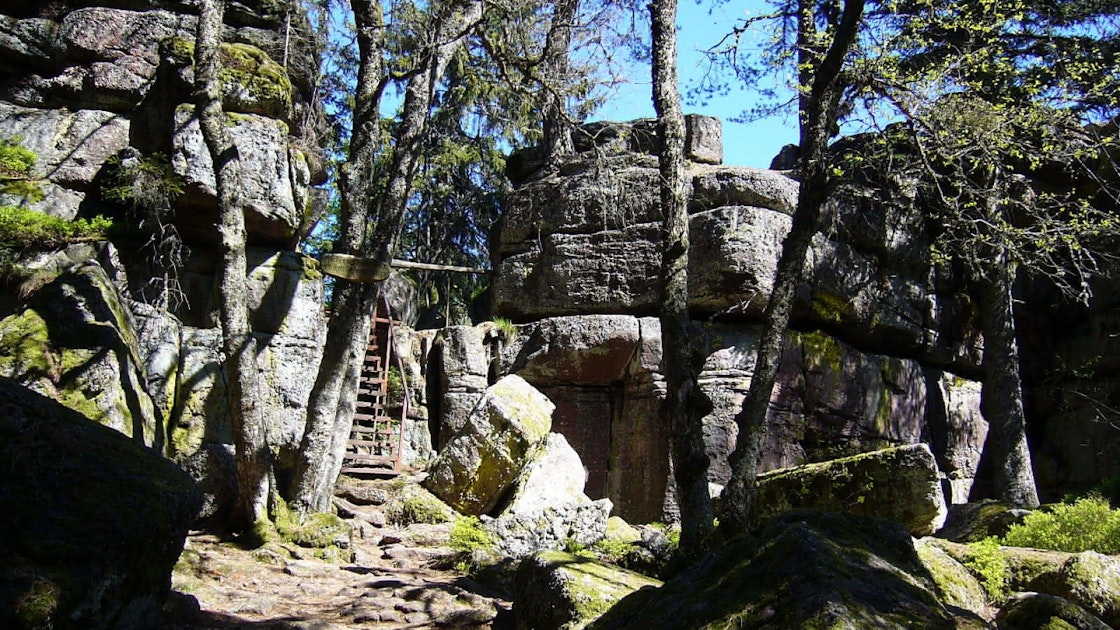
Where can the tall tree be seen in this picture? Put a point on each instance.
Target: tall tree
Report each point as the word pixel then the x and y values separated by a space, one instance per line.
pixel 685 403
pixel 253 462
pixel 824 38
pixel 331 408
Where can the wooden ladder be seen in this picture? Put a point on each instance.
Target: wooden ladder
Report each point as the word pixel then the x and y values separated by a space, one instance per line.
pixel 375 438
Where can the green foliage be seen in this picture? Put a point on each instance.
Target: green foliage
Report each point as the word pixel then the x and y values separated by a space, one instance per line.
pixel 1087 524
pixel 148 182
pixel 415 509
pixel 467 535
pixel 27 230
pixel 16 170
pixel 505 328
pixel 988 564
pixel 615 551
pixel 394 386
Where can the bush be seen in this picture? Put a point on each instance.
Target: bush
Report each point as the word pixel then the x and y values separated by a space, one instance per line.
pixel 1087 524
pixel 16 176
pixel 468 535
pixel 22 229
pixel 989 566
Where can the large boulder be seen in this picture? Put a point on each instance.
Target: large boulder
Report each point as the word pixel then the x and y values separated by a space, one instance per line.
pixel 93 523
pixel 76 343
pixel 1089 579
pixel 1039 611
pixel 548 509
pixel 802 570
pixel 559 590
pixel 899 483
pixel 485 458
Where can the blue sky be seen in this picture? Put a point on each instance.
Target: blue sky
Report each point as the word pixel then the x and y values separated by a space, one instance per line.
pixel 753 144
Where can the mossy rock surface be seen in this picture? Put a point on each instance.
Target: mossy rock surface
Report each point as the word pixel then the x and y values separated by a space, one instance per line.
pixel 93 523
pixel 252 82
pixel 1038 611
pixel 75 343
pixel 899 483
pixel 804 569
pixel 556 589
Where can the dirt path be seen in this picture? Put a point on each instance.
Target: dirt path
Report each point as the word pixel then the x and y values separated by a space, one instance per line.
pixel 391 583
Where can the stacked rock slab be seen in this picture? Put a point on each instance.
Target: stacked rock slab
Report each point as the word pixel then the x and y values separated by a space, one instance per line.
pixel 94 88
pixel 886 342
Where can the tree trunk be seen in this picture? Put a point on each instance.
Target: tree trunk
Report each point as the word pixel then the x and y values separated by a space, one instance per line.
pixel 818 107
pixel 254 467
pixel 1001 399
pixel 331 408
pixel 685 403
pixel 557 130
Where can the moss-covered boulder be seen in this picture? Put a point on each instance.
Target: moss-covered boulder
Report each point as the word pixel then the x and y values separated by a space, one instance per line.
pixel 953 583
pixel 75 343
pixel 1038 611
pixel 1089 579
pixel 973 522
pixel 900 484
pixel 485 458
pixel 805 569
pixel 556 589
pixel 93 523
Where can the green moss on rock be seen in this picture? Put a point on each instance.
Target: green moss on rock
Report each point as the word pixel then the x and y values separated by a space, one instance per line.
pixel 251 81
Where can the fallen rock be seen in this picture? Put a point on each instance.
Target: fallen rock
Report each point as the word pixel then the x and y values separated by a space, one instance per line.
pixel 556 589
pixel 548 509
pixel 900 484
pixel 93 523
pixel 1038 611
pixel 804 569
pixel 486 457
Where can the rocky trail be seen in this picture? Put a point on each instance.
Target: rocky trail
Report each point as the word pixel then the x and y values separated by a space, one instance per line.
pixel 400 577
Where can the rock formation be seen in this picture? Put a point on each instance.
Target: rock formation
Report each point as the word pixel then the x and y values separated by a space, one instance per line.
pixel 102 96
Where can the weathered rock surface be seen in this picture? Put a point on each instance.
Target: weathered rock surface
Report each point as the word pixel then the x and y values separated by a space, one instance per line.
pixel 804 569
pixel 556 589
pixel 272 215
pixel 1038 611
pixel 93 523
pixel 76 343
pixel 548 509
pixel 900 484
pixel 485 457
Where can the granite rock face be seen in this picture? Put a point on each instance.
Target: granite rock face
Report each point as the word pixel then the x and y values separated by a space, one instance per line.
pixel 76 343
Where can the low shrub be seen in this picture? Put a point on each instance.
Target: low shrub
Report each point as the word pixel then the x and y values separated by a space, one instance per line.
pixel 1087 524
pixel 989 566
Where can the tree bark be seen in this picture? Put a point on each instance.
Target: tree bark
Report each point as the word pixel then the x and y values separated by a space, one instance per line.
pixel 254 467
pixel 1001 398
pixel 685 403
pixel 330 413
pixel 557 130
pixel 818 112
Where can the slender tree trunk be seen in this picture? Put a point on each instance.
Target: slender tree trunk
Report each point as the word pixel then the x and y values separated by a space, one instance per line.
pixel 1001 399
pixel 238 344
pixel 685 403
pixel 331 408
pixel 818 106
pixel 557 130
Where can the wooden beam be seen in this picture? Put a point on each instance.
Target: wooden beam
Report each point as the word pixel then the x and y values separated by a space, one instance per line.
pixel 408 264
